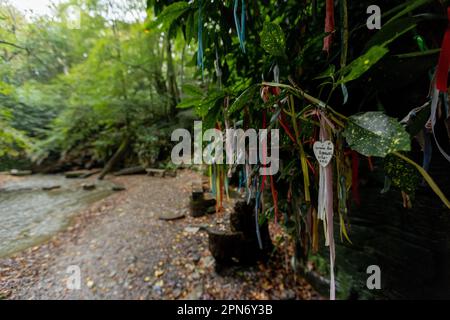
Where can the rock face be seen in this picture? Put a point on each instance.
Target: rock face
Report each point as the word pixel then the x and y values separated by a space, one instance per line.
pixel 240 245
pixel 411 247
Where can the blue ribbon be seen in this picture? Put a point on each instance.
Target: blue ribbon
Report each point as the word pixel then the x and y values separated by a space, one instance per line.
pixel 445 98
pixel 200 62
pixel 257 200
pixel 240 27
pixel 214 173
pixel 427 151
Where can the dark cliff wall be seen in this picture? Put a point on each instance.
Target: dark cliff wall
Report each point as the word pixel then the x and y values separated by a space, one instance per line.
pixel 411 246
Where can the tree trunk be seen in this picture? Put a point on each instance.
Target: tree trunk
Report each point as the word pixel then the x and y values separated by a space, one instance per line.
pixel 174 94
pixel 115 158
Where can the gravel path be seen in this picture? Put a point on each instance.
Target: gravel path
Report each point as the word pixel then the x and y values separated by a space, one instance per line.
pixel 125 252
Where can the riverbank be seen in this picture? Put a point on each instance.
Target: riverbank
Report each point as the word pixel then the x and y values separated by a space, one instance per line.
pixel 125 252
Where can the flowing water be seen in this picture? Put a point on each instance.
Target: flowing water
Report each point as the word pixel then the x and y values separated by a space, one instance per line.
pixel 29 214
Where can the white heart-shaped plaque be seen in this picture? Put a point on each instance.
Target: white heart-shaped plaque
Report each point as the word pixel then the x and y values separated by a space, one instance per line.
pixel 324 152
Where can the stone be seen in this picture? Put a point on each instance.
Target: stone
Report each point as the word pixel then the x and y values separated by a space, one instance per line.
pixel 118 188
pixel 169 216
pixel 88 186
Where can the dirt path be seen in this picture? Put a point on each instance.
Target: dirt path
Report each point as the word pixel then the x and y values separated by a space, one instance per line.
pixel 125 252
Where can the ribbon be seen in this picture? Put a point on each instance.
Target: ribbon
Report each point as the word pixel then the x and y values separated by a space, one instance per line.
pixel 325 203
pixel 213 180
pixel 260 190
pixel 200 61
pixel 444 60
pixel 240 27
pixel 427 151
pixel 241 180
pixel 257 202
pixel 434 106
pixel 329 25
pixel 275 198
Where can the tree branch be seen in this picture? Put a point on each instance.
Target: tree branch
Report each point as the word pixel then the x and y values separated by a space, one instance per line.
pixel 14 45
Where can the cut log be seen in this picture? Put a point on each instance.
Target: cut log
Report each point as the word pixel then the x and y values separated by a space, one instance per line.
pixel 156 172
pixel 50 188
pixel 118 188
pixel 229 248
pixel 130 171
pixel 197 187
pixel 242 219
pixel 90 173
pixel 199 205
pixel 20 173
pixel 80 174
pixel 240 245
pixel 225 246
pixel 171 173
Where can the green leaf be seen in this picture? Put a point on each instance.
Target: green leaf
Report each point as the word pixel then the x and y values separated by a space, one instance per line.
pixel 376 134
pixel 193 90
pixel 392 31
pixel 189 103
pixel 190 27
pixel 362 64
pixel 248 95
pixel 402 174
pixel 169 15
pixel 272 39
pixel 209 102
pixel 405 8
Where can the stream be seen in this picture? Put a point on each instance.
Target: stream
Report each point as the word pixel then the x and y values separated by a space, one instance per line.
pixel 30 214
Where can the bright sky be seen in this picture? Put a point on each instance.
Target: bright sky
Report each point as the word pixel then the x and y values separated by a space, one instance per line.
pixel 42 7
pixel 39 7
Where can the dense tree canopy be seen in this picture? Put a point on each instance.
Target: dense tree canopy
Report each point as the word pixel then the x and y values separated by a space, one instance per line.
pixel 81 91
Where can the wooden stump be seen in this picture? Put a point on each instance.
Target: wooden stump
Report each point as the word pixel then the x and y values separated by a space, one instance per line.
pixel 242 219
pixel 156 172
pixel 199 205
pixel 171 173
pixel 240 245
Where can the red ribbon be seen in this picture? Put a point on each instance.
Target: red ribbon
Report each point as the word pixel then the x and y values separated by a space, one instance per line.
pixel 444 60
pixel 329 25
pixel 275 198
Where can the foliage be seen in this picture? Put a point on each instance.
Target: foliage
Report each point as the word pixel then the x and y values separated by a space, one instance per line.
pixel 78 92
pixel 375 134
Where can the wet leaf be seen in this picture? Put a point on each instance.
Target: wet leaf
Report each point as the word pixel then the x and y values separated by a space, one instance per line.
pixel 247 96
pixel 362 64
pixel 169 15
pixel 376 134
pixel 272 39
pixel 402 174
